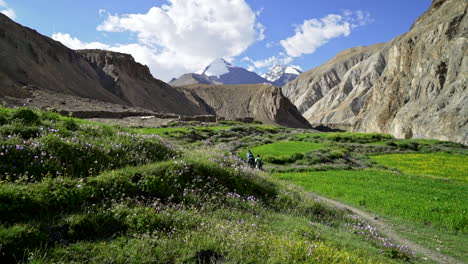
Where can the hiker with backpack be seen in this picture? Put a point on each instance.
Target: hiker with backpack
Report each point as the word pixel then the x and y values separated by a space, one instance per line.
pixel 250 159
pixel 259 162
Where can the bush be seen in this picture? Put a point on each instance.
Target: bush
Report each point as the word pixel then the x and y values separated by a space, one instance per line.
pixel 78 155
pixel 18 128
pixel 95 225
pixel 4 117
pixel 182 180
pixel 26 116
pixel 71 125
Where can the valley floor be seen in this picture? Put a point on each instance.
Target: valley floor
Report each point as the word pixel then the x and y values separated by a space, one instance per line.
pixel 74 191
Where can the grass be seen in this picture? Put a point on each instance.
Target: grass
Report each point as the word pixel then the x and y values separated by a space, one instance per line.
pixel 282 150
pixel 434 207
pixel 423 200
pixel 171 211
pixel 442 165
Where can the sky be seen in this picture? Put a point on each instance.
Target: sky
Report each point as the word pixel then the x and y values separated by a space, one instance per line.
pixel 174 37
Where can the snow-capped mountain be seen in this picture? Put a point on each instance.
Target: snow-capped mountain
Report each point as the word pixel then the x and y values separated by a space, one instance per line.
pixel 279 75
pixel 223 72
pixel 220 72
pixel 217 68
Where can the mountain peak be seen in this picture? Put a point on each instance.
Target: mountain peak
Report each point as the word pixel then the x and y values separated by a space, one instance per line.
pixel 217 68
pixel 280 74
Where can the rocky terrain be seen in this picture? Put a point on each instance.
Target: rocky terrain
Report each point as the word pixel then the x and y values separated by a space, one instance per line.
pixel 31 59
pixel 262 102
pixel 414 86
pixel 134 83
pixel 38 72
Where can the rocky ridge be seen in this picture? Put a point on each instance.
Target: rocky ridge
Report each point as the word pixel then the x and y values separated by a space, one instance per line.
pixel 37 71
pixel 33 60
pixel 133 82
pixel 414 86
pixel 261 102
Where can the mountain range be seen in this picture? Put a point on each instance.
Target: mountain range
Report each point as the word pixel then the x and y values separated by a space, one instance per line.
pixel 222 72
pixel 40 72
pixel 414 86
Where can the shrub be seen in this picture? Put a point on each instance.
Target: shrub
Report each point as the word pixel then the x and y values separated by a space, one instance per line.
pixel 181 180
pixel 71 124
pixel 77 154
pixel 26 116
pixel 4 117
pixel 95 225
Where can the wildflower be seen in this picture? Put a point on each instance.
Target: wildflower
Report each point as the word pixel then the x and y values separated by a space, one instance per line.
pixel 79 186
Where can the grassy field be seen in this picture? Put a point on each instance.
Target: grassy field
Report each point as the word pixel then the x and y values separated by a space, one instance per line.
pixel 441 165
pixel 79 192
pixel 285 148
pixel 282 151
pixel 346 137
pixel 435 207
pixel 426 201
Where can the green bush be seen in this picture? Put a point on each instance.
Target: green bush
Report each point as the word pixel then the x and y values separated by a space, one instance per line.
pixel 78 155
pixel 71 124
pixel 26 116
pixel 180 180
pixel 95 225
pixel 4 117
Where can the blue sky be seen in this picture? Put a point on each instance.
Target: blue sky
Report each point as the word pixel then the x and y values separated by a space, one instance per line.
pixel 179 36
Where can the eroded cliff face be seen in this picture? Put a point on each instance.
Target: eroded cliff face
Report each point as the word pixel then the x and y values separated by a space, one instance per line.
pixel 29 59
pixel 262 102
pixel 411 87
pixel 133 82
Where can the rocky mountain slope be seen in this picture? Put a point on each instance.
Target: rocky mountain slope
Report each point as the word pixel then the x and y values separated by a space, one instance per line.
pixel 262 102
pixel 279 75
pixel 414 86
pixel 39 72
pixel 134 83
pixel 30 59
pixel 220 72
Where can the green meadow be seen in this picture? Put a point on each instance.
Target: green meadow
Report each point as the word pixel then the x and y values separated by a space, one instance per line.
pixel 74 191
pixel 438 165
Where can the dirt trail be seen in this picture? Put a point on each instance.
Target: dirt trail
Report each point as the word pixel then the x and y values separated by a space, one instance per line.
pixel 387 230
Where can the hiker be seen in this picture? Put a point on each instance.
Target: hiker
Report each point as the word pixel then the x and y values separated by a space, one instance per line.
pixel 250 159
pixel 259 162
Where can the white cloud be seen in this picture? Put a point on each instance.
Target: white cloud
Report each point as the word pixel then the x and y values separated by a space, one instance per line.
pixel 4 9
pixel 141 53
pixel 314 33
pixel 185 35
pixel 74 43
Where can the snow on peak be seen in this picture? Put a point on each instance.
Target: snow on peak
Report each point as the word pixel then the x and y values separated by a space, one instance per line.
pixel 292 69
pixel 217 68
pixel 279 70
